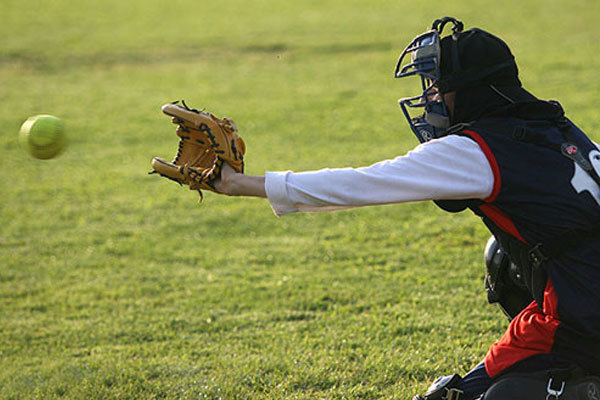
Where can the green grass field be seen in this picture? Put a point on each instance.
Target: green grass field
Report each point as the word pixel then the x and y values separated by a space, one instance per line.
pixel 119 285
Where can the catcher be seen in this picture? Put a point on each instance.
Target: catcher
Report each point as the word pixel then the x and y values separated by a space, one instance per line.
pixel 518 163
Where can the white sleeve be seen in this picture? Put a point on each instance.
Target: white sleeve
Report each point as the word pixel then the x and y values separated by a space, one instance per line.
pixel 453 167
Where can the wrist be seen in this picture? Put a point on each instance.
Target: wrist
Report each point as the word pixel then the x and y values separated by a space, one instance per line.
pixel 237 184
pixel 232 184
pixel 224 185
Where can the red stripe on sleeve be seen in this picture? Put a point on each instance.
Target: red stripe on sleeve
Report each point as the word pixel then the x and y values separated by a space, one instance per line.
pixel 493 164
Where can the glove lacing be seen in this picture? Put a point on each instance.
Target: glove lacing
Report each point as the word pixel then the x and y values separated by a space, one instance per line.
pixel 179 151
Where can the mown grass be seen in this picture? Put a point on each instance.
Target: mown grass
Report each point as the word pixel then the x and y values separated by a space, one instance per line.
pixel 115 284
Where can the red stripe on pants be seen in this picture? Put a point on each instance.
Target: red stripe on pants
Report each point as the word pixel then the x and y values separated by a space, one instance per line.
pixel 531 332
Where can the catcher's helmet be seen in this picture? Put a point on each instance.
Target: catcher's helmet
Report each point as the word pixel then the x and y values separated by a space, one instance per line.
pixel 450 64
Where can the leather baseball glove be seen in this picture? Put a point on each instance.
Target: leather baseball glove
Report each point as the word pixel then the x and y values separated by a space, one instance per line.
pixel 206 142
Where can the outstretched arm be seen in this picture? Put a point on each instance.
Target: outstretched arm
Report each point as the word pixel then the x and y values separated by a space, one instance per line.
pixel 453 167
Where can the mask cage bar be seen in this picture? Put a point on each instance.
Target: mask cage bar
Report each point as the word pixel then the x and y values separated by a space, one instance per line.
pixel 423 97
pixel 426 64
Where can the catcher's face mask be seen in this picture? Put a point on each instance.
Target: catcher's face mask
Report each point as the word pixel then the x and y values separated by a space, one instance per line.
pixel 424 62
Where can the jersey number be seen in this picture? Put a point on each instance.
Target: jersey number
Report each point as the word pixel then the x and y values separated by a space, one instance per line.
pixel 583 181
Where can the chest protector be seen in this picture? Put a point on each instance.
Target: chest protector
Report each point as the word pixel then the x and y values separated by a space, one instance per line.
pixel 546 196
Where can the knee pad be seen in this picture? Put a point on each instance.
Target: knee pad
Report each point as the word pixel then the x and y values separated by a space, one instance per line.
pixel 541 387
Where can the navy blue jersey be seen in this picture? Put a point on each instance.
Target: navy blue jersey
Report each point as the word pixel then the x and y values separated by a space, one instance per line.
pixel 543 192
pixel 539 194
